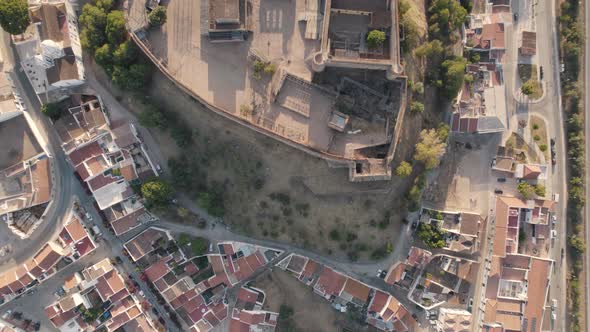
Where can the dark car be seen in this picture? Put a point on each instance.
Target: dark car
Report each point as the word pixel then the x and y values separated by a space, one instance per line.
pixel 553 161
pixel 553 141
pixel 501 179
pixel 498 191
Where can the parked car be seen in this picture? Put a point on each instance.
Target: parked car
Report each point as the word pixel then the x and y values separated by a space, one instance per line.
pixel 552 141
pixel 88 216
pixel 501 179
pixel 498 191
pixel 159 169
pixel 553 234
pixel 554 220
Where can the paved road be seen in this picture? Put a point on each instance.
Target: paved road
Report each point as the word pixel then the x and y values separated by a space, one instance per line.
pixel 551 109
pixel 63 181
pixel 587 133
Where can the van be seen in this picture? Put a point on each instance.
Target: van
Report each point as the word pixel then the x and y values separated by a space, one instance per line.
pixel 556 198
pixel 96 230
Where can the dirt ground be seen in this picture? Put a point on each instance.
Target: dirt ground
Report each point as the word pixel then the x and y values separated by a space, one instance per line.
pixel 541 132
pixel 311 311
pixel 266 184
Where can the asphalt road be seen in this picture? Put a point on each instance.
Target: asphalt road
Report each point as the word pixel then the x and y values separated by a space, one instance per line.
pixel 587 133
pixel 550 108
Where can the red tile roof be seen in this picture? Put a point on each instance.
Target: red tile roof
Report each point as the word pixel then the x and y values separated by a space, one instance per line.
pixel 330 282
pixel 157 270
pixel 88 151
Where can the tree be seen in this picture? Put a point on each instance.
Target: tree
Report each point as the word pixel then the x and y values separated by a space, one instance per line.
pixel 453 73
pixel 375 38
pixel 528 88
pixel 115 28
pixel 14 16
pixel 526 190
pixel 104 57
pixel 93 21
pixel 181 134
pixel 430 50
pixel 431 235
pixel 157 193
pixel 404 169
pixel 417 107
pixel 52 110
pixel 443 131
pixel 152 117
pixel 446 16
pixel 125 54
pixel 158 16
pixel 418 88
pixel 577 244
pixel 540 190
pixel 133 78
pixel 430 148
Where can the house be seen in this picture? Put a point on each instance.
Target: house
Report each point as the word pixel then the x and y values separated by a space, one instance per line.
pixel 531 172
pixel 528 43
pixel 25 166
pixel 146 242
pixel 387 314
pixel 481 105
pixel 330 283
pixel 101 288
pixel 456 320
pixel 50 50
pixel 355 292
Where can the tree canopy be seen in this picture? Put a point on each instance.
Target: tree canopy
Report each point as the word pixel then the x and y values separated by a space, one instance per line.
pixel 52 110
pixel 157 16
pixel 14 16
pixel 404 169
pixel 115 28
pixel 526 190
pixel 445 17
pixel 375 38
pixel 431 235
pixel 157 193
pixel 453 75
pixel 430 148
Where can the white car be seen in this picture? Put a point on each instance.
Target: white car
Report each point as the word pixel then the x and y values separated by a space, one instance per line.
pixel 554 219
pixel 553 234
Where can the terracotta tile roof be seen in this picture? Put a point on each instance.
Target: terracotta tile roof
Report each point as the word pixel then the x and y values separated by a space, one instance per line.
pixel 247 295
pixel 330 282
pixel 46 258
pixel 494 33
pixel 535 305
pixel 41 178
pixel 357 290
pixel 143 243
pixel 127 222
pixel 379 301
pixel 395 273
pixel 531 172
pixel 85 152
pixel 76 230
pixel 157 270
pixel 85 246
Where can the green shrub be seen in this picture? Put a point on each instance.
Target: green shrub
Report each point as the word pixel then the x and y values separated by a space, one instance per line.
pixel 375 38
pixel 157 16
